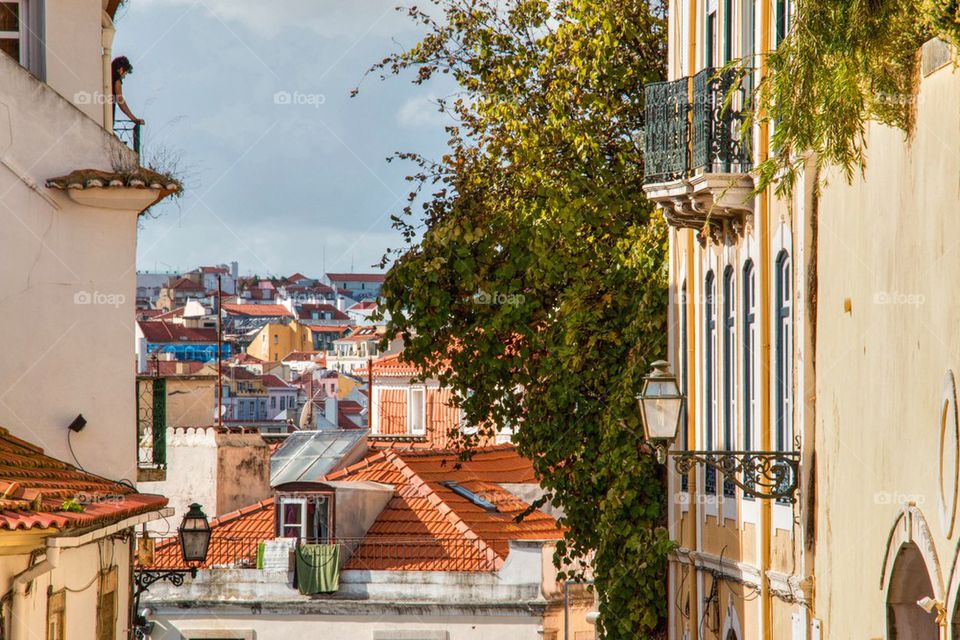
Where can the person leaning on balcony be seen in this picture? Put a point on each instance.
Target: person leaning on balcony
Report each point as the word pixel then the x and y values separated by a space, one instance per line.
pixel 121 67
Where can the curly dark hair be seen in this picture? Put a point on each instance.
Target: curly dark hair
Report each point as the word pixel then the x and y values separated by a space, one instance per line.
pixel 119 64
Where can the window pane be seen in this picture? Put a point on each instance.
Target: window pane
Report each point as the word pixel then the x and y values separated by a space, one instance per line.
pixel 10 47
pixel 9 16
pixel 292 513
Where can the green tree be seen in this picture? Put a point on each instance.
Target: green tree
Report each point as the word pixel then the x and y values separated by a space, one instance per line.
pixel 534 279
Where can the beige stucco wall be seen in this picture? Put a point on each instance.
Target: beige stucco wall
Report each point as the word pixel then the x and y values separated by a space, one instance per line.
pixel 68 291
pixel 191 400
pixel 73 60
pixel 220 471
pixel 77 570
pixel 888 244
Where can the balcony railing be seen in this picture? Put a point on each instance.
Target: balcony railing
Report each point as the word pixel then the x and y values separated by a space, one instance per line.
pixel 151 422
pixel 666 135
pixel 703 136
pixel 371 553
pixel 129 133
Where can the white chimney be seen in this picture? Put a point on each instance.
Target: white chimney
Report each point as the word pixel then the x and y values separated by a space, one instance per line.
pixel 330 410
pixel 235 269
pixel 339 303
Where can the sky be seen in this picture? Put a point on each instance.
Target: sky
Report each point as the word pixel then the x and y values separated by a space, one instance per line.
pixel 283 170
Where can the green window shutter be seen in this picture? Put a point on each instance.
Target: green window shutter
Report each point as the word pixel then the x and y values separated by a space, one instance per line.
pixel 160 421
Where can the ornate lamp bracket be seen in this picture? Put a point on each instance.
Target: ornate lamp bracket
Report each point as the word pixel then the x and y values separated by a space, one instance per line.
pixel 767 475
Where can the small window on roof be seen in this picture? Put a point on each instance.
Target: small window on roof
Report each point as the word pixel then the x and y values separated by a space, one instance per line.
pixel 463 492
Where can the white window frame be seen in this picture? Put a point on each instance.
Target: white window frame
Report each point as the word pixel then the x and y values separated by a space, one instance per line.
pixel 284 501
pixel 21 34
pixel 412 393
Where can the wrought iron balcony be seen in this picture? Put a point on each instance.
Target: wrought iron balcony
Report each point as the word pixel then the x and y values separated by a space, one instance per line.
pixel 129 133
pixel 697 153
pixel 666 130
pixel 719 145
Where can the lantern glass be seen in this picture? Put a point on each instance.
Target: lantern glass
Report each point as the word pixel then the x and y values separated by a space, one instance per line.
pixel 195 535
pixel 661 405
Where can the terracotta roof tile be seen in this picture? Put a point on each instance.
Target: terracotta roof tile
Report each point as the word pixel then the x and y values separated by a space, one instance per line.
pixel 34 487
pixel 233 541
pixel 356 277
pixel 141 178
pixel 425 526
pixel 160 331
pixel 257 310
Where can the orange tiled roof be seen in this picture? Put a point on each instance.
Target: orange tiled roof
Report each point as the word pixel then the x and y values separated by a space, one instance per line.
pixel 34 487
pixel 424 507
pixel 435 528
pixel 258 310
pixel 356 277
pixel 233 541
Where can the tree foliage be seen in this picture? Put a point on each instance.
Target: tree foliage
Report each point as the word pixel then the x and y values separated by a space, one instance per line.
pixel 844 63
pixel 534 280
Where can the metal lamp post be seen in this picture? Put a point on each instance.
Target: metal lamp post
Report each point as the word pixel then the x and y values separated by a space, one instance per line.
pixel 768 475
pixel 194 535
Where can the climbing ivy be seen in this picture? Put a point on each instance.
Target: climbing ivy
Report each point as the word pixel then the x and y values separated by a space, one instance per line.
pixel 843 64
pixel 534 280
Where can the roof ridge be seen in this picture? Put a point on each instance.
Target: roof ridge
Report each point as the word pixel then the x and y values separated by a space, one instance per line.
pixel 242 511
pixel 447 512
pixel 362 464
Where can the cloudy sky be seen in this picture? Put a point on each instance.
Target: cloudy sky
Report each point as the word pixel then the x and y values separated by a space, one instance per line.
pixel 284 170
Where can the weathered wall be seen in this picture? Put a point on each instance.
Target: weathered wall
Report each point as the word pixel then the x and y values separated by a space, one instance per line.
pixel 887 321
pixel 243 471
pixel 191 400
pixel 77 570
pixel 69 286
pixel 220 471
pixel 191 475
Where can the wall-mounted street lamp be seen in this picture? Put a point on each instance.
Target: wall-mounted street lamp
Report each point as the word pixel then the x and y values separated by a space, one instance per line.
pixel 768 475
pixel 194 534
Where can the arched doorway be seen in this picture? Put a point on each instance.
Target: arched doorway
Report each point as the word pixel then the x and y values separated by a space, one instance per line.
pixel 909 582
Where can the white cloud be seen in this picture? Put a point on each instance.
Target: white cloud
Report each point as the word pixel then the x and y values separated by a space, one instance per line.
pixel 421 111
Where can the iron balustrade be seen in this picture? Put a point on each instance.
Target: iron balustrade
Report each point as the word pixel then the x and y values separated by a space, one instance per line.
pixel 373 552
pixel 151 422
pixel 666 130
pixel 719 143
pixel 705 135
pixel 129 133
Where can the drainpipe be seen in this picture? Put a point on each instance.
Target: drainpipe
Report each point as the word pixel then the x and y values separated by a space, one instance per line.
pixel 695 534
pixel 766 508
pixel 106 43
pixel 20 616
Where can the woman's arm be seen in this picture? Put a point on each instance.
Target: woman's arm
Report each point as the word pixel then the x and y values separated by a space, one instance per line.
pixel 118 98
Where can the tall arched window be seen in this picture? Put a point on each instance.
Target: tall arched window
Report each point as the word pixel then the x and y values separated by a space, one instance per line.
pixel 748 356
pixel 684 385
pixel 784 352
pixel 729 368
pixel 709 374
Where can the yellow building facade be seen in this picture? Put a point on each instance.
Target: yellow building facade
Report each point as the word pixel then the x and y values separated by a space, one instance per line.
pixel 274 342
pixel 740 331
pixel 822 329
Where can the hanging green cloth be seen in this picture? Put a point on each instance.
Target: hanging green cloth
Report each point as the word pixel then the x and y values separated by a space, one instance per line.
pixel 260 548
pixel 318 568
